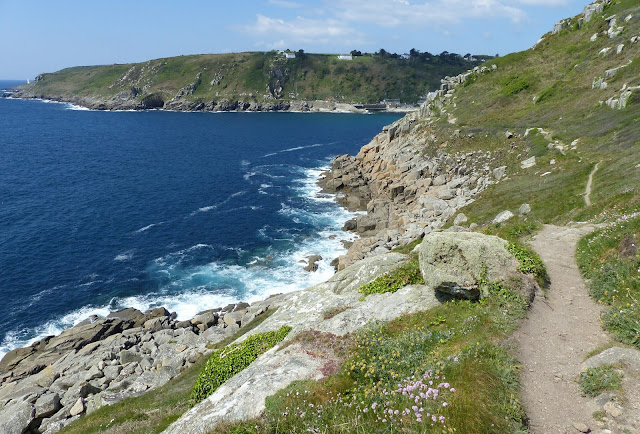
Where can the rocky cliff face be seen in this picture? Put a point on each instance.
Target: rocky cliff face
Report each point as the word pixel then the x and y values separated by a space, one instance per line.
pixel 406 180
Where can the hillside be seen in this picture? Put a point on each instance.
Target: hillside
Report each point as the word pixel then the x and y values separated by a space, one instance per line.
pixel 418 329
pixel 249 81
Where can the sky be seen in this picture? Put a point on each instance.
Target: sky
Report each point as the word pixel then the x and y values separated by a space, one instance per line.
pixel 45 36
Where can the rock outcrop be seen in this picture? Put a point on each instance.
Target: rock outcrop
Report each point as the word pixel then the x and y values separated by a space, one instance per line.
pixel 406 181
pixel 101 361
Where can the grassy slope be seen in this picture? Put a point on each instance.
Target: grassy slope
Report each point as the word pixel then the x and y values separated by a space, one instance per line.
pixel 366 79
pixel 556 94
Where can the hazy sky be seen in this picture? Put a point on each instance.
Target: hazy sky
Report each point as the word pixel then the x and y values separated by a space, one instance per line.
pixel 45 36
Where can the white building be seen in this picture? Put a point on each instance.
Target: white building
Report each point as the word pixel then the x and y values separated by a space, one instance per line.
pixel 290 55
pixel 345 57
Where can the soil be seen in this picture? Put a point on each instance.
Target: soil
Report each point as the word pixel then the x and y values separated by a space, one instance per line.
pixel 562 328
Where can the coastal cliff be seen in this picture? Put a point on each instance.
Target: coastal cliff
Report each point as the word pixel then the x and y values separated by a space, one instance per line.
pixel 271 81
pixel 500 149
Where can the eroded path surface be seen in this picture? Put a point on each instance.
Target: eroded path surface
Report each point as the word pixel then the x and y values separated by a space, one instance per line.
pixel 554 340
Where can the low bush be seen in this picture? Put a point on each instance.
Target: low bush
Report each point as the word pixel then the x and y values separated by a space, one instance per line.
pixel 402 276
pixel 226 362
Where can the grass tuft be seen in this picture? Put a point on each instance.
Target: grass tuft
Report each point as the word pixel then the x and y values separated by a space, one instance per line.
pixel 408 274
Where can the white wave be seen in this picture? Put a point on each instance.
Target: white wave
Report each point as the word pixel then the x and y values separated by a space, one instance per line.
pixel 126 256
pixel 297 148
pixel 218 205
pixel 146 228
pixel 25 337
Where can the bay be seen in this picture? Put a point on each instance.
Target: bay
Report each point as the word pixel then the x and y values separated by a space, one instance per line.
pixel 105 210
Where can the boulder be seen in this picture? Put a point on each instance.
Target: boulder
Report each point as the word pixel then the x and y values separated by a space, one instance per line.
pixel 47 405
pixel 130 314
pixel 503 217
pixel 499 172
pixel 524 209
pixel 15 417
pixel 78 407
pixel 460 218
pixel 455 262
pixel 529 162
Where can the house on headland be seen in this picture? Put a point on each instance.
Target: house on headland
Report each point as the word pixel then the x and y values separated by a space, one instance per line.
pixel 345 57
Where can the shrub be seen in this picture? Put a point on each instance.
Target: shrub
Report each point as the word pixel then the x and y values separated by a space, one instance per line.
pixel 402 276
pixel 226 362
pixel 530 262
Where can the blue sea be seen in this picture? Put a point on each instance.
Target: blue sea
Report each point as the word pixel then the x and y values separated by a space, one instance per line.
pixel 105 210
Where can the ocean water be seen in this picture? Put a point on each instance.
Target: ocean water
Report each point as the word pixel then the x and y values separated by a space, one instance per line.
pixel 105 210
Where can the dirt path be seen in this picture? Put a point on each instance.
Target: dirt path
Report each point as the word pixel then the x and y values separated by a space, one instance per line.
pixel 554 340
pixel 587 193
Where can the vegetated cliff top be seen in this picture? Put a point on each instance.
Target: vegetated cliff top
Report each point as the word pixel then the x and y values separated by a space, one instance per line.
pixel 571 101
pixel 261 76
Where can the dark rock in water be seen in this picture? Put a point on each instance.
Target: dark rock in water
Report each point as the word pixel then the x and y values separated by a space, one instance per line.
pixel 350 225
pixel 313 263
pixel 241 305
pixel 156 312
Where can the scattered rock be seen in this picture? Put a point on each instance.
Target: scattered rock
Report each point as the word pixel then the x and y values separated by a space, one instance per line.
pixel 460 218
pixel 78 407
pixel 503 217
pixel 529 162
pixel 524 209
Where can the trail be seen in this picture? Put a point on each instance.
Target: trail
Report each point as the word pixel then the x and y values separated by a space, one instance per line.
pixel 587 193
pixel 560 330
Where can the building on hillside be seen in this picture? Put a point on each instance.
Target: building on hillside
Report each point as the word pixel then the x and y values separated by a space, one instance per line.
pixel 290 55
pixel 391 102
pixel 345 57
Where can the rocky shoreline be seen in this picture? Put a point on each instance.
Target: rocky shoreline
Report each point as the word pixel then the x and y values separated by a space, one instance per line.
pixel 100 361
pixel 184 105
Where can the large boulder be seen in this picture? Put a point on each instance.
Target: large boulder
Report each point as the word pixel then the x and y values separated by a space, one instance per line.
pixel 16 417
pixel 455 262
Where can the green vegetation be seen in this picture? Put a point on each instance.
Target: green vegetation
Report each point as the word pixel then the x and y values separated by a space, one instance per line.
pixel 260 76
pixel 610 260
pixel 595 381
pixel 456 347
pixel 407 274
pixel 530 262
pixel 228 361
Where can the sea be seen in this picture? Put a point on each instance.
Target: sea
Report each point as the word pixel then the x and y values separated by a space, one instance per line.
pixel 105 210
